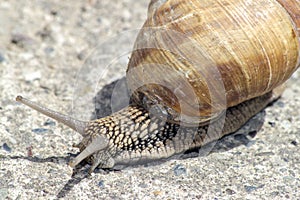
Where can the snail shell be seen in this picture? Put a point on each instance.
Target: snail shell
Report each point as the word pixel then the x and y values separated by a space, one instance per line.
pixel 225 51
pixel 191 61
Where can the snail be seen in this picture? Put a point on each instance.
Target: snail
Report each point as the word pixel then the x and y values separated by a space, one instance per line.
pixel 199 70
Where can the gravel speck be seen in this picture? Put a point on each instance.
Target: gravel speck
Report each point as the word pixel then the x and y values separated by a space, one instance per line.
pixel 49 122
pixel 250 188
pixel 288 179
pixel 5 147
pixel 143 185
pixel 275 193
pixel 285 159
pixel 264 154
pixel 295 143
pixel 280 104
pixel 272 124
pixel 101 183
pixel 40 130
pixel 230 191
pixel 179 170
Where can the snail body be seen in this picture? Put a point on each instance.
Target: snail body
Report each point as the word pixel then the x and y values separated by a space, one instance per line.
pixel 199 70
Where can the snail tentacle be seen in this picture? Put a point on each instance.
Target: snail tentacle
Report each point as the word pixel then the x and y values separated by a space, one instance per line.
pixel 98 143
pixel 74 124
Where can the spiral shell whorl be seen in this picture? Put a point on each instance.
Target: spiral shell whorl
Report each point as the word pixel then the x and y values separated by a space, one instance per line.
pixel 252 44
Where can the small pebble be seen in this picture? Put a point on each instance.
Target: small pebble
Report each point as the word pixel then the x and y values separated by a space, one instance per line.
pixel 280 104
pixel 252 134
pixel 101 183
pixel 250 188
pixel 157 192
pixel 51 171
pixel 39 130
pixel 45 191
pixel 288 179
pixel 49 122
pixel 83 9
pixel 229 191
pixel 45 33
pixel 283 170
pixel 143 185
pixel 29 151
pixel 272 124
pixel 6 148
pixel 275 193
pixel 295 143
pixel 179 170
pixel 81 55
pixel 266 154
pixel 53 12
pixel 292 173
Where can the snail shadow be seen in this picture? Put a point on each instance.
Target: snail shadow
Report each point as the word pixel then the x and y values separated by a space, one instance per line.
pixel 52 159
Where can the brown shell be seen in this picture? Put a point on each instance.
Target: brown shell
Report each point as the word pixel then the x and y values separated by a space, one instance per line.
pixel 193 59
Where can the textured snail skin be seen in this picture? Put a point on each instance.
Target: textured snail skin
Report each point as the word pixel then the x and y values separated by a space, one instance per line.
pixel 226 55
pixel 136 138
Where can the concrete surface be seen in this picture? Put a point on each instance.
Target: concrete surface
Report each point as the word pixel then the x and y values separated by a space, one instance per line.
pixel 43 46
